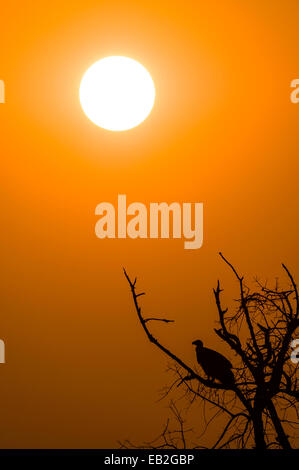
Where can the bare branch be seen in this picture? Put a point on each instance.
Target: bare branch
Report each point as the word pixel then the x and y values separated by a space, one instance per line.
pixel 153 340
pixel 158 319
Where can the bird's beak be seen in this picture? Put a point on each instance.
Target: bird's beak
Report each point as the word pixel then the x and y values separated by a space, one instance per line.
pixel 194 342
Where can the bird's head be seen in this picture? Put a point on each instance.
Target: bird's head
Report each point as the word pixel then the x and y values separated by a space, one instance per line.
pixel 198 343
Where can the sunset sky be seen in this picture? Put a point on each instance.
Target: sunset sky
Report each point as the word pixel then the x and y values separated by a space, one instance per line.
pixel 223 131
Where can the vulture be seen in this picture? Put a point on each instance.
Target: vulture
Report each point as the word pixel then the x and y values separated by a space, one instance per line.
pixel 214 364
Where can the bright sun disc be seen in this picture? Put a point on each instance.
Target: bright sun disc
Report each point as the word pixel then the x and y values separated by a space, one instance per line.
pixel 117 93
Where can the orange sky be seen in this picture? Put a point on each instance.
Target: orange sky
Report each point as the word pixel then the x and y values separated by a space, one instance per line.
pixel 223 131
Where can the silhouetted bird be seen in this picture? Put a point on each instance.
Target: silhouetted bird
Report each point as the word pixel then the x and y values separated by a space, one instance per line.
pixel 214 364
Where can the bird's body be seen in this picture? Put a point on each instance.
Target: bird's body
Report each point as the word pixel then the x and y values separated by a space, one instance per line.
pixel 214 364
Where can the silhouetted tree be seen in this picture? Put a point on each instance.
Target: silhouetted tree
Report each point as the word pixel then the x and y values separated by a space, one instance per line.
pixel 261 399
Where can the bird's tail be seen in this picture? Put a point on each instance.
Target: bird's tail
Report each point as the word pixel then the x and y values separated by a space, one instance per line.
pixel 228 378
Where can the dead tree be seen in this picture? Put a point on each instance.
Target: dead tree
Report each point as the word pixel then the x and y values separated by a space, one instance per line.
pixel 261 405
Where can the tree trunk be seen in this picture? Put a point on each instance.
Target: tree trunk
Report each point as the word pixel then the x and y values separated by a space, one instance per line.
pixel 257 419
pixel 258 430
pixel 281 435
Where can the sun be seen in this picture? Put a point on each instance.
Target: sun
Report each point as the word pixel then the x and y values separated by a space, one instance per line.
pixel 117 93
